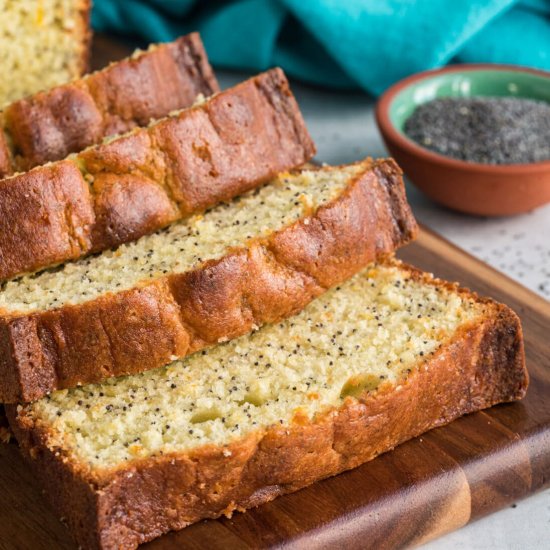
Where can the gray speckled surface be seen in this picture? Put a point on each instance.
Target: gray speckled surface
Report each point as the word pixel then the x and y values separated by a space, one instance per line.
pixel 343 126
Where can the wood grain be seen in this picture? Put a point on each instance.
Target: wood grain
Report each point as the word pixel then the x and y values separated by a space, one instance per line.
pixel 421 490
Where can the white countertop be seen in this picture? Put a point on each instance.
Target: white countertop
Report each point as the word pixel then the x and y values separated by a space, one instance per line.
pixel 343 127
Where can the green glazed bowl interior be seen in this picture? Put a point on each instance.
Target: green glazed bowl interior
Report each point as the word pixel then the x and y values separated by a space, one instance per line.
pixel 466 83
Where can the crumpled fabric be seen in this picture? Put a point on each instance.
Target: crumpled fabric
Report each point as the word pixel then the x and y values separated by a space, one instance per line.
pixel 367 44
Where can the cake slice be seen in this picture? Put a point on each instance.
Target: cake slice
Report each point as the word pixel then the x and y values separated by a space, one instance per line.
pixel 42 44
pixel 382 358
pixel 136 183
pixel 254 260
pixel 49 125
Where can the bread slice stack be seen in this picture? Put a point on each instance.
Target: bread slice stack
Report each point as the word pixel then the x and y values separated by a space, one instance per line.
pixel 55 122
pixel 241 329
pixel 141 181
pixel 202 280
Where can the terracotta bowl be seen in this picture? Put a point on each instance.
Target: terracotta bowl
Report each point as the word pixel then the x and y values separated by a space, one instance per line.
pixel 470 187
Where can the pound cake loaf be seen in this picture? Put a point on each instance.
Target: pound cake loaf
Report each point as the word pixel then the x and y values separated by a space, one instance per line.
pixel 42 44
pixel 150 84
pixel 137 183
pixel 384 357
pixel 254 260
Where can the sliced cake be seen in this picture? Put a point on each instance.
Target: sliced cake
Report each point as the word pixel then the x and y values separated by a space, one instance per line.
pixel 382 358
pixel 50 124
pixel 42 44
pixel 139 182
pixel 254 260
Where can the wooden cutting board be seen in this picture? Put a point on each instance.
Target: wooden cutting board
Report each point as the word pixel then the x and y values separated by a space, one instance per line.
pixel 422 489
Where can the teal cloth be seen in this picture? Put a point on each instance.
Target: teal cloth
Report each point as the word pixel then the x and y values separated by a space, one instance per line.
pixel 343 43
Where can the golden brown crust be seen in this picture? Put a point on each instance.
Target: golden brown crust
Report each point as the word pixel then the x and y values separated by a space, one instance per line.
pixel 153 176
pixel 84 29
pixel 5 156
pixel 59 197
pixel 271 278
pixel 483 364
pixel 50 125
